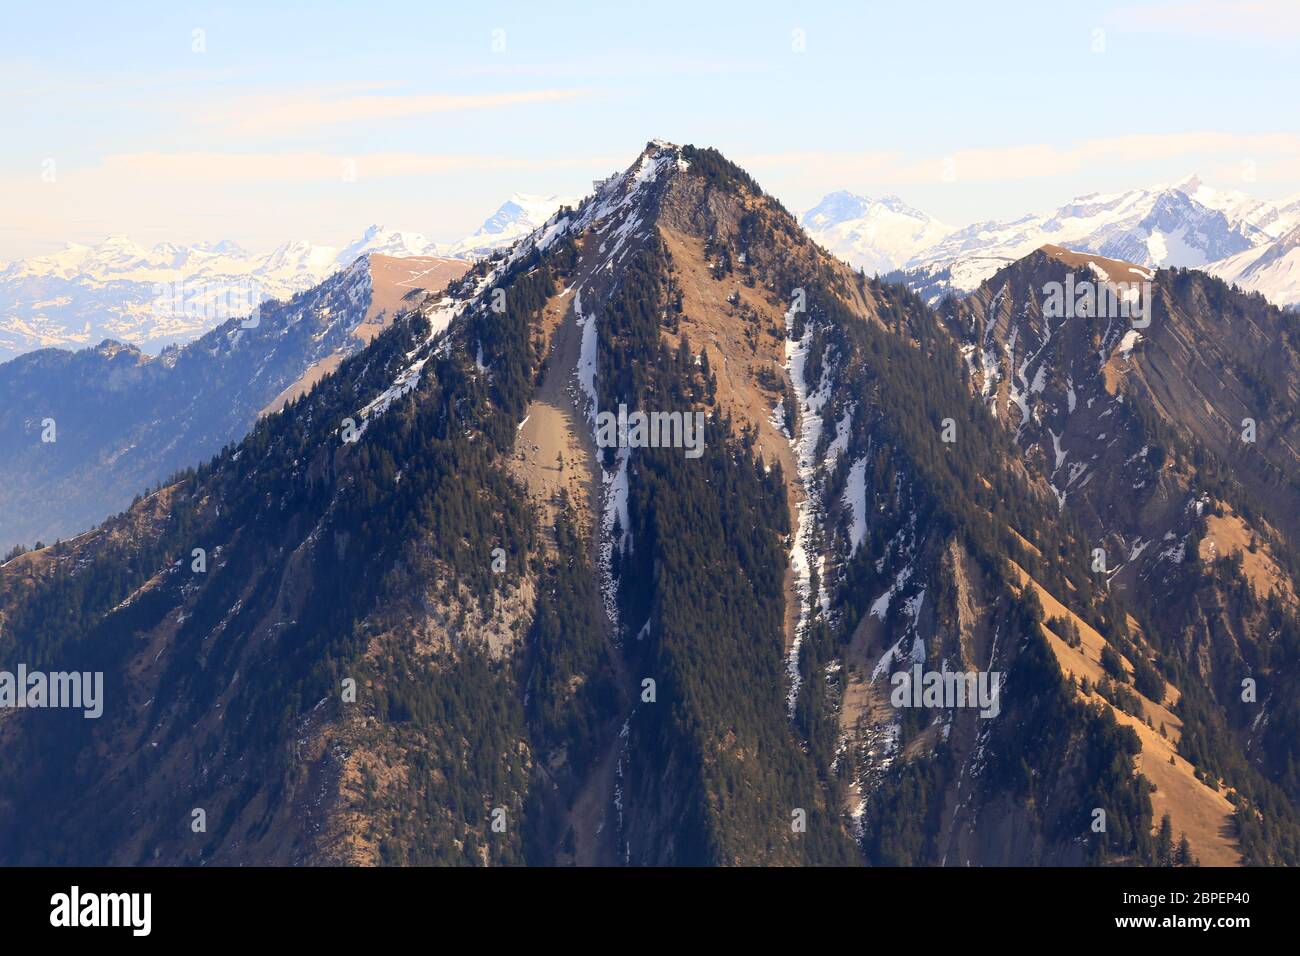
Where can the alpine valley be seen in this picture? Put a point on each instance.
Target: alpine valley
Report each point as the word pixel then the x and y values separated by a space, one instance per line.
pixel 383 597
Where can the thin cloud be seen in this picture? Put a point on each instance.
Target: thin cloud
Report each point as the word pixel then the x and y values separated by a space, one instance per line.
pixel 1277 154
pixel 621 64
pixel 26 81
pixel 296 112
pixel 318 166
pixel 1268 21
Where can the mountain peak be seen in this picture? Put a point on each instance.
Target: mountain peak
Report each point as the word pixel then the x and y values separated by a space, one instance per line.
pixel 878 235
pixel 657 146
pixel 777 586
pixel 837 207
pixel 111 348
pixel 513 220
pixel 226 247
pixel 1110 270
pixel 389 242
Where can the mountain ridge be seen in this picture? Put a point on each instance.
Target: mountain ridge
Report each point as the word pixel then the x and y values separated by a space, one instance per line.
pixel 1185 223
pixel 172 294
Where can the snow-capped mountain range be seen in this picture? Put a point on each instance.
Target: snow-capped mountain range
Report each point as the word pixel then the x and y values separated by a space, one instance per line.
pixel 1271 269
pixel 116 289
pixel 172 293
pixel 518 216
pixel 879 235
pixel 1227 233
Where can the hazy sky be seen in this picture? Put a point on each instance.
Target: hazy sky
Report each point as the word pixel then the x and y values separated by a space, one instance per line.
pixel 262 122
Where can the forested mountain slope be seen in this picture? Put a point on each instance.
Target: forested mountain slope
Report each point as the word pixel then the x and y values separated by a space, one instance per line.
pixel 442 615
pixel 1172 438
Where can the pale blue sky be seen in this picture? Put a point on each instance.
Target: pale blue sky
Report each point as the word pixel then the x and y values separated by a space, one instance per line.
pixel 253 136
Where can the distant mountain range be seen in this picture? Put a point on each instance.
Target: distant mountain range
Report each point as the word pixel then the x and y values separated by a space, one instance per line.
pixel 172 294
pixel 518 216
pixel 1271 269
pixel 1229 234
pixel 125 419
pixel 878 235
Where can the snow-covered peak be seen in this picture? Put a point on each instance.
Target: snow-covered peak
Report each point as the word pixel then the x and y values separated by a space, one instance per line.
pixel 299 255
pixel 1271 269
pixel 388 242
pixel 222 247
pixel 525 207
pixel 835 208
pixel 118 258
pixel 878 235
pixel 843 206
pixel 1164 225
pixel 1262 219
pixel 514 219
pixel 120 244
pixel 617 198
